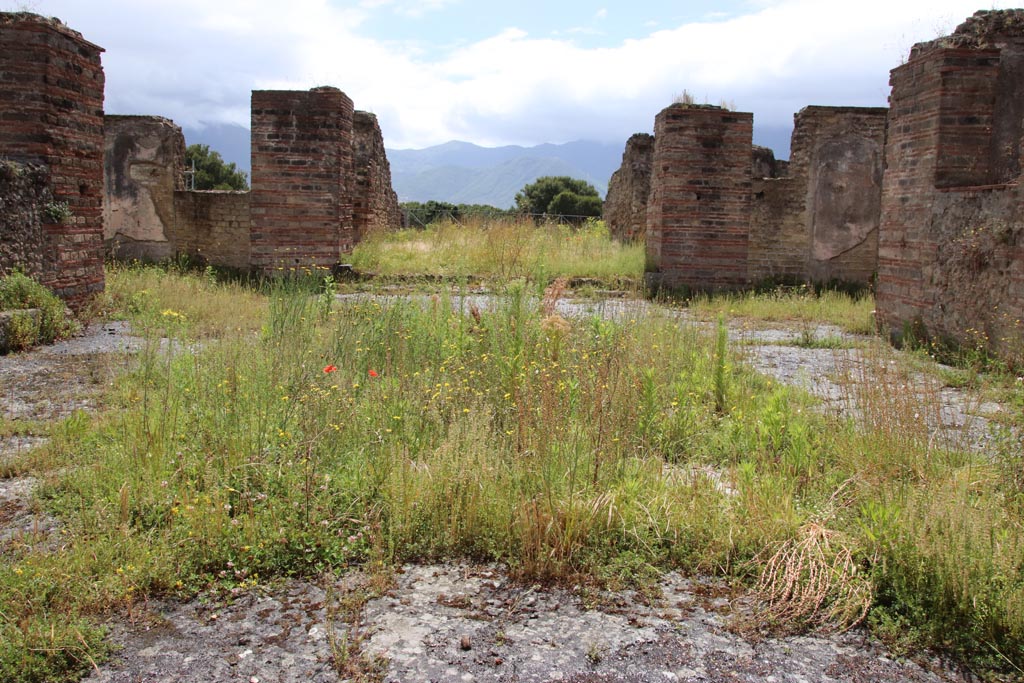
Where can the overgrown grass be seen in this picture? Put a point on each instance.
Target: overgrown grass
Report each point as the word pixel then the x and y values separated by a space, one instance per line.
pixel 155 297
pixel 853 313
pixel 390 430
pixel 19 292
pixel 502 250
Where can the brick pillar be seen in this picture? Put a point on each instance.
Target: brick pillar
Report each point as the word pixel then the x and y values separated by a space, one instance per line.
pixel 301 177
pixel 698 217
pixel 51 113
pixel 936 138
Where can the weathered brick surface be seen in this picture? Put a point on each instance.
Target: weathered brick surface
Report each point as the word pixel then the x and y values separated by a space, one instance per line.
pixel 698 214
pixel 212 227
pixel 301 178
pixel 374 202
pixel 821 223
pixel 951 257
pixel 763 163
pixel 51 113
pixel 24 192
pixel 625 205
pixel 778 240
pixel 143 166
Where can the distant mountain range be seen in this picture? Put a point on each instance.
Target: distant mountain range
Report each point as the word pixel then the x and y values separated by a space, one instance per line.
pixel 464 173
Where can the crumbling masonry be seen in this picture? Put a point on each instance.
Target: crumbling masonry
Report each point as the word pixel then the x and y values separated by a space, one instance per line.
pixel 51 137
pixel 320 182
pixel 818 223
pixel 74 182
pixel 925 194
pixel 951 246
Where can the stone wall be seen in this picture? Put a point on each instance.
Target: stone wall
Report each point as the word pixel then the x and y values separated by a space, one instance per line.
pixel 374 202
pixel 24 195
pixel 212 227
pixel 301 195
pixel 144 163
pixel 821 223
pixel 951 244
pixel 51 99
pixel 698 214
pixel 625 205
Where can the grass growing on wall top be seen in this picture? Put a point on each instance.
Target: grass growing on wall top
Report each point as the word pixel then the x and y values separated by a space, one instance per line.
pixel 381 431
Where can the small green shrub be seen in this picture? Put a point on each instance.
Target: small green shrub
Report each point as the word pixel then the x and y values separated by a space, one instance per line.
pixel 19 292
pixel 57 212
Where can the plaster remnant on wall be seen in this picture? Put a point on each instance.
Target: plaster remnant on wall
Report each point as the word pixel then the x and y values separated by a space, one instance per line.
pixel 144 163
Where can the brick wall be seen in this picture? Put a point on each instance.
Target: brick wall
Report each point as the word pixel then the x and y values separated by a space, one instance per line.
pixel 374 202
pixel 143 166
pixel 51 113
pixel 951 257
pixel 698 214
pixel 301 164
pixel 212 227
pixel 778 241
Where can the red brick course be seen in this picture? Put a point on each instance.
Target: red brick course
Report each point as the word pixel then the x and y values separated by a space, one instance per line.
pixel 698 214
pixel 301 175
pixel 951 242
pixel 51 99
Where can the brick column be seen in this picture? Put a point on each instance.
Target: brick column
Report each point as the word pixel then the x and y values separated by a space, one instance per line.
pixel 301 177
pixel 51 113
pixel 699 212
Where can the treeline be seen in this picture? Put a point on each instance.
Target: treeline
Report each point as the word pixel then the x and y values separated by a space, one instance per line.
pixel 421 214
pixel 558 197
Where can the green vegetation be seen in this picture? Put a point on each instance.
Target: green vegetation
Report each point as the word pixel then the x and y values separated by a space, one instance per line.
pixel 501 251
pixel 854 314
pixel 212 172
pixel 306 435
pixel 19 292
pixel 559 196
pixel 422 214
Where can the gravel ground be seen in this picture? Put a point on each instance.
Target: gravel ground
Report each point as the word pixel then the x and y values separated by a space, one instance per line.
pixel 473 623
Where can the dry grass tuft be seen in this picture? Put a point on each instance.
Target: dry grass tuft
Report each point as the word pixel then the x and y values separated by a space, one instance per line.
pixel 813 581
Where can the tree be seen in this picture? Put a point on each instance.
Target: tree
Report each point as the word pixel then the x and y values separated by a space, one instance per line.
pixel 559 196
pixel 212 172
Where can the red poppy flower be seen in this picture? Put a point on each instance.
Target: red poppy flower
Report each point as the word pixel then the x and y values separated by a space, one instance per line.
pixel 329 369
pixel 373 373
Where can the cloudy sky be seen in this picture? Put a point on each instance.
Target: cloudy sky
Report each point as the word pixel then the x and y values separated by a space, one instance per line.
pixel 513 72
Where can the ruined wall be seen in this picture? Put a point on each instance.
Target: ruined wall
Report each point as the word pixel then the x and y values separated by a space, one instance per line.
pixel 374 202
pixel 143 166
pixel 301 162
pixel 625 205
pixel 24 195
pixel 699 210
pixel 821 222
pixel 51 99
pixel 778 239
pixel 212 227
pixel 951 244
pixel 764 165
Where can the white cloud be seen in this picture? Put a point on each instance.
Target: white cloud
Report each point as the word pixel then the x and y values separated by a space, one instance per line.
pixel 194 60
